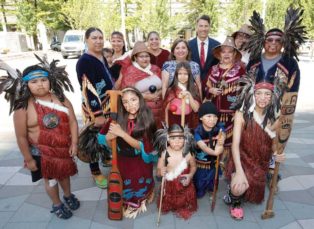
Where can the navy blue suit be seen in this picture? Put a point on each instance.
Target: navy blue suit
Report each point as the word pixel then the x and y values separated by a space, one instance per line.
pixel 210 60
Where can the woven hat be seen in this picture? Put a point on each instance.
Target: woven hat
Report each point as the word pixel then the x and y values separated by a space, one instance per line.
pixel 139 46
pixel 245 28
pixel 228 42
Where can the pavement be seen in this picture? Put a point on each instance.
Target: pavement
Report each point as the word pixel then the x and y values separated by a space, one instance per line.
pixel 24 204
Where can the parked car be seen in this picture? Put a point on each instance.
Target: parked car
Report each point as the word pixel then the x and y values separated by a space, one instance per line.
pixel 55 46
pixel 73 43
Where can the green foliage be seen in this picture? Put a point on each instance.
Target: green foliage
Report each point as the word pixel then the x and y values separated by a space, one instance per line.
pixel 81 14
pixel 196 8
pixel 26 17
pixel 239 12
pixel 29 13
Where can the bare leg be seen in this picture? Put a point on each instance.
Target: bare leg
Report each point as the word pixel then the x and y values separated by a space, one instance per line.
pixel 66 186
pixel 53 193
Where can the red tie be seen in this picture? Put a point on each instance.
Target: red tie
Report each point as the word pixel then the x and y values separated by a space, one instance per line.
pixel 202 55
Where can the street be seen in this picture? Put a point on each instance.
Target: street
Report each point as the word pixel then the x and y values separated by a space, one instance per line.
pixel 24 204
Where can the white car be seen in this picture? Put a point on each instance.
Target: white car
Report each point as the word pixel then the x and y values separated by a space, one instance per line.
pixel 73 43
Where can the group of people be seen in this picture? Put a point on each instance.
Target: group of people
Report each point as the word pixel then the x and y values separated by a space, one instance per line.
pixel 182 108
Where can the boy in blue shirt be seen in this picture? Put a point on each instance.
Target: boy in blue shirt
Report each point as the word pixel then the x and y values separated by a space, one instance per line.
pixel 208 148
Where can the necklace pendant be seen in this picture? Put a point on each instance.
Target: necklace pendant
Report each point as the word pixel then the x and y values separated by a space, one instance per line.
pixel 51 120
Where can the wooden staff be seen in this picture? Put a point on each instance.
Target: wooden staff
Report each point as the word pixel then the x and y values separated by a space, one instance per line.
pixel 216 181
pixel 183 111
pixel 161 197
pixel 115 186
pixel 288 106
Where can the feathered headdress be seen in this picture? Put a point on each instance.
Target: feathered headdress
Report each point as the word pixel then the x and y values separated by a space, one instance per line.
pixel 58 77
pixel 161 139
pixel 245 99
pixel 16 89
pixel 293 36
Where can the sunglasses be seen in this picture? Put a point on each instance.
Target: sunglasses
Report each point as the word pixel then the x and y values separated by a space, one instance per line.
pixel 276 40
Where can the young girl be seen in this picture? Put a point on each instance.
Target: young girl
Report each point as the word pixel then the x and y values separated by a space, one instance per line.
pixel 183 87
pixel 177 166
pixel 46 131
pixel 134 133
pixel 252 147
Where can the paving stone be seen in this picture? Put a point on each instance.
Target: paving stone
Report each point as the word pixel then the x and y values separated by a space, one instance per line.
pixel 100 226
pixel 7 172
pixel 300 196
pixel 228 222
pixel 196 222
pixel 72 223
pixel 12 191
pixel 307 224
pixel 281 218
pixel 293 225
pixel 26 225
pixel 31 213
pixel 13 203
pixel 5 217
pixel 300 210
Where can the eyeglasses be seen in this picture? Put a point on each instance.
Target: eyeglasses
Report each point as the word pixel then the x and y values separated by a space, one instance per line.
pixel 276 40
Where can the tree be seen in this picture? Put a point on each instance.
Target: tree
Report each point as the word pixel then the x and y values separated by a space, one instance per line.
pixel 196 8
pixel 239 12
pixel 81 14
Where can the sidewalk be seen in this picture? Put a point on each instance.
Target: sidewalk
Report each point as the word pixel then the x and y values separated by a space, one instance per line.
pixel 26 205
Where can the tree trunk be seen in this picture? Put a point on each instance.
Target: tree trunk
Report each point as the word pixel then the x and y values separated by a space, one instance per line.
pixel 4 22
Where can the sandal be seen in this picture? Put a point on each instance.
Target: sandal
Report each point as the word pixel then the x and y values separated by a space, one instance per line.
pixel 61 211
pixel 72 202
pixel 100 181
pixel 236 213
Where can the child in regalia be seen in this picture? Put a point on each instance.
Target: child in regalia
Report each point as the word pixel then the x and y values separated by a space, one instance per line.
pixel 208 148
pixel 177 166
pixel 134 132
pixel 46 129
pixel 183 86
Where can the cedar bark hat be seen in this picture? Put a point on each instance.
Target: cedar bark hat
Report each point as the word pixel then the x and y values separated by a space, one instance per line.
pixel 139 46
pixel 245 28
pixel 228 42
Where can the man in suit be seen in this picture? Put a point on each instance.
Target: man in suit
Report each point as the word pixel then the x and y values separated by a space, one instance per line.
pixel 201 46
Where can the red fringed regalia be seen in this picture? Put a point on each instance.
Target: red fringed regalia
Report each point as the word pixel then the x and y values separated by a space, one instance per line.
pixel 255 154
pixel 54 143
pixel 178 198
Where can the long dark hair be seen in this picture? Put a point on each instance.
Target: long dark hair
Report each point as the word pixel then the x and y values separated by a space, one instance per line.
pixel 145 123
pixel 174 45
pixel 119 34
pixel 190 87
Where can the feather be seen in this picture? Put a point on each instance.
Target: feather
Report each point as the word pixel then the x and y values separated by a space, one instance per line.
pixel 88 144
pixel 10 84
pixel 256 40
pixel 294 32
pixel 160 142
pixel 59 78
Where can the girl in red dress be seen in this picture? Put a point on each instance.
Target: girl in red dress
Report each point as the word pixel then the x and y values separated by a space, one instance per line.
pixel 183 87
